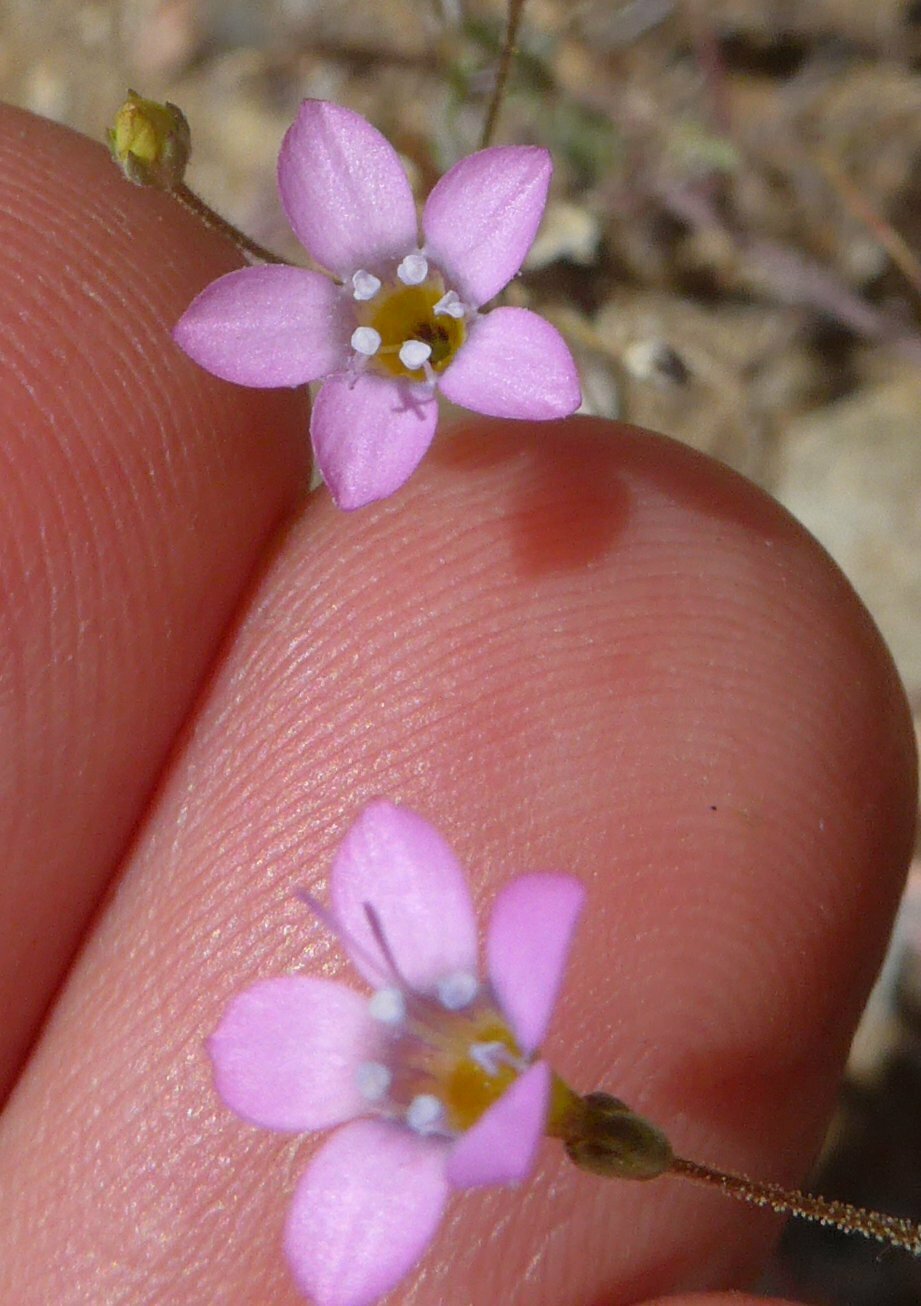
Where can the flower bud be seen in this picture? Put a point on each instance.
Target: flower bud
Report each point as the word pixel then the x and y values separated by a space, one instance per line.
pixel 150 142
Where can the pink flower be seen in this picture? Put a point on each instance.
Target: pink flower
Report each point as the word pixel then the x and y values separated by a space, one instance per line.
pixel 396 319
pixel 435 1072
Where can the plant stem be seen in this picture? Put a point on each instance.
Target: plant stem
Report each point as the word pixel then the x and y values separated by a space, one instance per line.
pixel 214 222
pixel 515 10
pixel 891 1229
pixel 879 227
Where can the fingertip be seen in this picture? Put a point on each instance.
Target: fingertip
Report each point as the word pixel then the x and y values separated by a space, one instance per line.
pixel 572 646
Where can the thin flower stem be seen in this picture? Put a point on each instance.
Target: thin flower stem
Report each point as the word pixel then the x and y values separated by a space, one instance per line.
pixel 190 201
pixel 710 60
pixel 891 1229
pixel 509 49
pixel 879 227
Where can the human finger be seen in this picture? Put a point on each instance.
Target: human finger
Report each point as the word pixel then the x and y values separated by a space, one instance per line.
pixel 137 496
pixel 572 647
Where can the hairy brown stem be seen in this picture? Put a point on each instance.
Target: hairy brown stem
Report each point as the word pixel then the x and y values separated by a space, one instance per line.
pixel 515 10
pixel 892 1229
pixel 190 201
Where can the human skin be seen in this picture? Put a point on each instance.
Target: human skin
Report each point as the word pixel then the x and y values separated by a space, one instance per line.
pixel 574 646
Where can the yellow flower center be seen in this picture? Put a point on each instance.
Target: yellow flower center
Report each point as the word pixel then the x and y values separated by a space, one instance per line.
pixel 471 1085
pixel 443 1069
pixel 401 313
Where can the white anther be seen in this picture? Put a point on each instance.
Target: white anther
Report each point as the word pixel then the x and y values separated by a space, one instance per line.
pixel 424 1113
pixel 450 305
pixel 490 1056
pixel 457 990
pixel 388 1006
pixel 413 270
pixel 414 353
pixel 365 340
pixel 365 285
pixel 373 1080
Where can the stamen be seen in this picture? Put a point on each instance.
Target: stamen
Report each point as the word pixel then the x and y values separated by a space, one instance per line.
pixel 457 990
pixel 365 340
pixel 490 1056
pixel 450 305
pixel 388 1006
pixel 413 270
pixel 373 1080
pixel 357 366
pixel 424 1112
pixel 365 285
pixel 414 353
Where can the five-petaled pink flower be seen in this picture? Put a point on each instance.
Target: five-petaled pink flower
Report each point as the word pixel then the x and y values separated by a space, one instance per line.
pixel 435 1071
pixel 396 318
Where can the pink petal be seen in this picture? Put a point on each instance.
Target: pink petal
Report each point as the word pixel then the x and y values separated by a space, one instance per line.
pixel 514 364
pixel 286 1052
pixel 344 190
pixel 267 326
pixel 364 1212
pixel 369 435
pixel 527 949
pixel 482 217
pixel 502 1145
pixel 397 862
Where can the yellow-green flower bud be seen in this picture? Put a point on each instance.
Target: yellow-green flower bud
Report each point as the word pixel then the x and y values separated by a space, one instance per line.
pixel 150 142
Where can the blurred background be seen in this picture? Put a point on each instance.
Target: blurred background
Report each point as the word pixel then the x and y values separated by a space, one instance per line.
pixel 733 250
